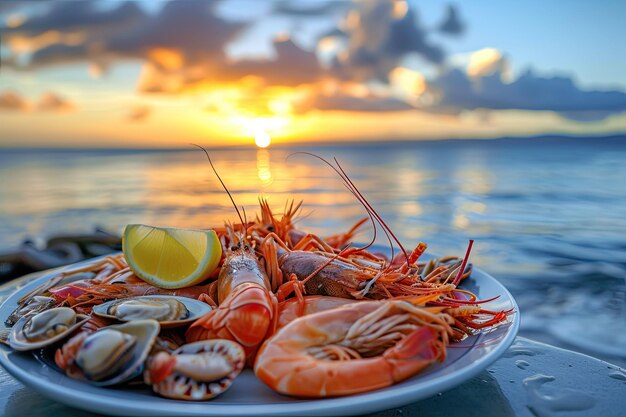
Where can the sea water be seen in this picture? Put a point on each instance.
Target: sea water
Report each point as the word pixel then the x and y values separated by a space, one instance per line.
pixel 548 216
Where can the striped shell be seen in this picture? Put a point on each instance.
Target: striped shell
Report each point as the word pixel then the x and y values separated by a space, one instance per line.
pixel 196 371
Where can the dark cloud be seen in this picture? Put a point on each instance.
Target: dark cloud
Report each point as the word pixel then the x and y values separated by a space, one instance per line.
pixel 452 24
pixel 529 92
pixel 12 101
pixel 295 9
pixel 291 67
pixel 189 27
pixel 10 6
pixel 183 33
pixel 406 36
pixel 182 45
pixel 184 42
pixel 75 16
pixel 344 101
pixel 379 35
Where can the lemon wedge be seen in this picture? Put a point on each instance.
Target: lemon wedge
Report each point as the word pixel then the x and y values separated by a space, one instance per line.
pixel 171 258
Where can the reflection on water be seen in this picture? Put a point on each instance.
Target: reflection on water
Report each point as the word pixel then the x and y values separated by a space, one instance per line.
pixel 263 167
pixel 547 217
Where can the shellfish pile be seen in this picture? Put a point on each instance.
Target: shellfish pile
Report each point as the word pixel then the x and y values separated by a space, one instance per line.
pixel 95 350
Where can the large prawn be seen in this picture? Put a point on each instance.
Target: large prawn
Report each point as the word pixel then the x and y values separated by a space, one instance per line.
pixel 359 347
pixel 247 308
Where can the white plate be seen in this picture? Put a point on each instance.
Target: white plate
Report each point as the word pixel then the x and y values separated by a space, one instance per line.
pixel 248 396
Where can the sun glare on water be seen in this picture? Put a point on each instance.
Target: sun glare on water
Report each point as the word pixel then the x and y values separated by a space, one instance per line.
pixel 262 139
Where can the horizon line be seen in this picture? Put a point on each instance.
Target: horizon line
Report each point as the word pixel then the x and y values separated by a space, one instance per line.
pixel 324 144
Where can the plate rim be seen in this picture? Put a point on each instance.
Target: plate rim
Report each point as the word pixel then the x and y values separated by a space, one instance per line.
pixel 378 400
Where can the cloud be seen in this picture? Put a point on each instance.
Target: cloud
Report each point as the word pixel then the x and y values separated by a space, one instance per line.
pixel 183 43
pixel 12 101
pixel 182 33
pixel 139 113
pixel 455 89
pixel 347 96
pixel 48 102
pixel 182 47
pixel 53 102
pixel 294 9
pixel 66 31
pixel 487 61
pixel 379 35
pixel 291 67
pixel 81 16
pixel 11 6
pixel 452 24
pixel 346 102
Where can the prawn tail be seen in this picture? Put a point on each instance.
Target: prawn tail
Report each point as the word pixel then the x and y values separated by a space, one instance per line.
pixel 415 352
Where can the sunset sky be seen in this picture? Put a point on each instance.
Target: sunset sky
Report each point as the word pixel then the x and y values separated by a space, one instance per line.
pixel 161 74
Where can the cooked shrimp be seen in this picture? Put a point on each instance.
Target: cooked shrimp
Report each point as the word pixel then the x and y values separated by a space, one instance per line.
pixel 247 307
pixel 354 348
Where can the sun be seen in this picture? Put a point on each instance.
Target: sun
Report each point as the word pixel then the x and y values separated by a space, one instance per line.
pixel 262 139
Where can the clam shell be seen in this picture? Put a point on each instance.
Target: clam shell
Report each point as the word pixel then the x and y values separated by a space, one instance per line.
pixel 146 332
pixel 196 309
pixel 196 378
pixel 18 341
pixel 103 354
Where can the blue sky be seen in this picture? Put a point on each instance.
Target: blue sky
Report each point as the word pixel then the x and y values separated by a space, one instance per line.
pixel 575 37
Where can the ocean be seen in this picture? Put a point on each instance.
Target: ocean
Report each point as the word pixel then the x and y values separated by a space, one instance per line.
pixel 548 215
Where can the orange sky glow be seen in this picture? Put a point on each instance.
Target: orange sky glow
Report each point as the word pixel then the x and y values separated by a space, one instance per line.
pixel 374 72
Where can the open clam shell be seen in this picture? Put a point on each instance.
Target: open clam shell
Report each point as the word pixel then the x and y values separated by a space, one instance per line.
pixel 115 354
pixel 170 311
pixel 44 329
pixel 195 371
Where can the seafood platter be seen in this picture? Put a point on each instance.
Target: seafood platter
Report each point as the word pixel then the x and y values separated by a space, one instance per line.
pixel 256 317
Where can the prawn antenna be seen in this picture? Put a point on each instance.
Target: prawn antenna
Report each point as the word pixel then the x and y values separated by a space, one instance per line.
pixel 245 224
pixel 371 212
pixel 222 182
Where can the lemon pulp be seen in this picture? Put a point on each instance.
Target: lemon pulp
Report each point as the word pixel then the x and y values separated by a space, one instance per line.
pixel 169 257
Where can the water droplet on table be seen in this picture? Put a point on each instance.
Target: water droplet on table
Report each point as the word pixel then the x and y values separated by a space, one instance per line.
pixel 547 402
pixel 519 349
pixel 618 375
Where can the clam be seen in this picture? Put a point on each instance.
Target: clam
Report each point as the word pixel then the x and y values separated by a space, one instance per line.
pixel 43 329
pixel 34 302
pixel 169 311
pixel 196 371
pixel 34 305
pixel 104 353
pixel 114 354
